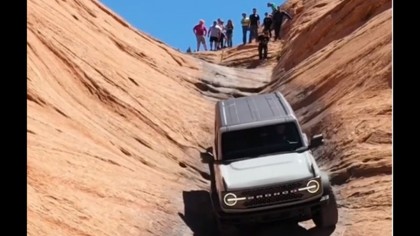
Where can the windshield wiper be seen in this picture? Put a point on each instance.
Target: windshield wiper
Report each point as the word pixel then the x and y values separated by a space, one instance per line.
pixel 301 149
pixel 228 161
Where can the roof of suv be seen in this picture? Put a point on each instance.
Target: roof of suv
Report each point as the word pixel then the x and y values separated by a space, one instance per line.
pixel 255 108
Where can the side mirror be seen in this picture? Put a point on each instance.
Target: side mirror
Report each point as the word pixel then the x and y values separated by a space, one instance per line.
pixel 207 156
pixel 209 151
pixel 316 141
pixel 210 154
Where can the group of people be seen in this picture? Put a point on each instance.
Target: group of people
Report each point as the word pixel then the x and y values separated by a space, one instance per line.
pixel 220 35
pixel 270 22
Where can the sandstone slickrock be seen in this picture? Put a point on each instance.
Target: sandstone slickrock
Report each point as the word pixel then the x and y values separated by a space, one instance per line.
pixel 117 119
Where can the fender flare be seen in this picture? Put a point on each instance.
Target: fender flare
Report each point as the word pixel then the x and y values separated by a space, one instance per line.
pixel 326 185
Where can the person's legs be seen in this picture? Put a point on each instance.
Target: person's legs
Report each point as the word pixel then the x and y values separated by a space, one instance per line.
pixel 260 48
pixel 228 39
pixel 276 31
pixel 251 34
pixel 265 48
pixel 198 42
pixel 244 31
pixel 203 41
pixel 254 32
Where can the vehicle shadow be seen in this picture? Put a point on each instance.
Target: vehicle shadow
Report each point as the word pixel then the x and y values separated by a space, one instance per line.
pixel 198 213
pixel 198 216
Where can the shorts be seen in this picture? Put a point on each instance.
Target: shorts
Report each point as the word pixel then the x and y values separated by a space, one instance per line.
pixel 213 39
pixel 201 39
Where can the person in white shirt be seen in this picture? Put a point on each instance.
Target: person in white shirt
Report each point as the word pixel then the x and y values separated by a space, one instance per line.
pixel 215 34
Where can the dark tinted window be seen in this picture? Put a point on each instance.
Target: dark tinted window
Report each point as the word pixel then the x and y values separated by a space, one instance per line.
pixel 260 141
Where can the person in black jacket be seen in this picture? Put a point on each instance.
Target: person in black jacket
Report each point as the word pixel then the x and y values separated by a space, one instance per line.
pixel 254 22
pixel 267 23
pixel 263 40
pixel 278 21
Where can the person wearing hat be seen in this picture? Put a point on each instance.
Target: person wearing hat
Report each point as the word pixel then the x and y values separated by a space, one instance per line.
pixel 278 17
pixel 272 6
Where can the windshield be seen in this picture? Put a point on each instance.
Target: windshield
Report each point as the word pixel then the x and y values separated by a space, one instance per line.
pixel 260 141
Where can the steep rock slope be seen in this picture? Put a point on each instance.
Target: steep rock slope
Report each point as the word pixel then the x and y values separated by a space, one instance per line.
pixel 113 122
pixel 336 70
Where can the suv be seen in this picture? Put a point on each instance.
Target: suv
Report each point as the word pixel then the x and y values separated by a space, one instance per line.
pixel 262 167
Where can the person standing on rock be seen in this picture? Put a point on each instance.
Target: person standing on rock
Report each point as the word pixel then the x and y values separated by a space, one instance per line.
pixel 245 27
pixel 278 21
pixel 222 38
pixel 229 33
pixel 263 40
pixel 254 22
pixel 267 23
pixel 200 32
pixel 272 6
pixel 214 33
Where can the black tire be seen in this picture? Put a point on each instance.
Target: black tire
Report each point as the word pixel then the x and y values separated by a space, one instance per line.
pixel 225 228
pixel 328 214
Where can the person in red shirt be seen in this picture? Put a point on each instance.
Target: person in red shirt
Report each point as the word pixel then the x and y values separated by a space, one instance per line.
pixel 200 32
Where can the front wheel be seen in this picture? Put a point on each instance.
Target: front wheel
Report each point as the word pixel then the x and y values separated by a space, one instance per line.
pixel 328 214
pixel 225 228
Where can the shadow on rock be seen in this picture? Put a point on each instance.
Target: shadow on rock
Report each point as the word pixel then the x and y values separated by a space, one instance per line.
pixel 255 63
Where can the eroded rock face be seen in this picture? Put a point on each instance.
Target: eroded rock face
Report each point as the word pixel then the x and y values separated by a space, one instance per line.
pixel 115 125
pixel 117 119
pixel 339 82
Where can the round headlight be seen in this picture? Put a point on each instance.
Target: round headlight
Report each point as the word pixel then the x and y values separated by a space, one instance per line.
pixel 230 199
pixel 312 186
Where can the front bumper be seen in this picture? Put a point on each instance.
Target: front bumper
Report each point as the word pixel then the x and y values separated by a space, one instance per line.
pixel 302 211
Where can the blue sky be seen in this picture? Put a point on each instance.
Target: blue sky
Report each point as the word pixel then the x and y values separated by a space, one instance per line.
pixel 172 21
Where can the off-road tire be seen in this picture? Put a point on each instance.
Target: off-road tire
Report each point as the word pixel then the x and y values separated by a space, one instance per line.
pixel 328 214
pixel 225 228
